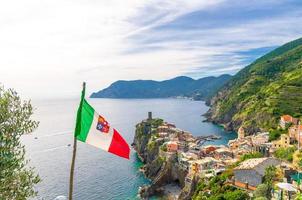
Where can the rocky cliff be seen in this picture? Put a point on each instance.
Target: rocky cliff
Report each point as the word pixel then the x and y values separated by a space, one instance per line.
pixel 160 166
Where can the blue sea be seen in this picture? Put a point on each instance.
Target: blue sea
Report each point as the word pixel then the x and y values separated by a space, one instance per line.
pixel 98 174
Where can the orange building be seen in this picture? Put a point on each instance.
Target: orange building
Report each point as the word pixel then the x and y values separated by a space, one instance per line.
pixel 209 149
pixel 172 146
pixel 287 119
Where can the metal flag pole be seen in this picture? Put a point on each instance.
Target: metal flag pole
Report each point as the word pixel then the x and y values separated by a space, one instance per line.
pixel 75 147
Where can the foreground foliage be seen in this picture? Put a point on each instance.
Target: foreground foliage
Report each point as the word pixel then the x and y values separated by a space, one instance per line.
pixel 16 179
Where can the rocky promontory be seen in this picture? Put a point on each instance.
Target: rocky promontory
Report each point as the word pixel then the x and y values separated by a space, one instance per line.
pixel 154 147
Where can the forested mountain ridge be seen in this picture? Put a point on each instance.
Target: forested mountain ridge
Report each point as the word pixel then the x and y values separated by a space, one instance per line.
pixel 258 94
pixel 181 86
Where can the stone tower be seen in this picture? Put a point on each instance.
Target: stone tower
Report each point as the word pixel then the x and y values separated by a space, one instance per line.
pixel 241 133
pixel 149 115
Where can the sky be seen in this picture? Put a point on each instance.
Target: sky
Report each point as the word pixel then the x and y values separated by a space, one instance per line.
pixel 48 48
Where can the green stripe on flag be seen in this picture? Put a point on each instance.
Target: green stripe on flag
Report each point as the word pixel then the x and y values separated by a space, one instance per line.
pixel 84 120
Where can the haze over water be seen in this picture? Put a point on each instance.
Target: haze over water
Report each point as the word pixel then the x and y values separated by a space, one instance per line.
pixel 98 174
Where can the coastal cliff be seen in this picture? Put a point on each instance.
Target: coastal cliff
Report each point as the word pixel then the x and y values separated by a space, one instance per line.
pixel 160 166
pixel 261 92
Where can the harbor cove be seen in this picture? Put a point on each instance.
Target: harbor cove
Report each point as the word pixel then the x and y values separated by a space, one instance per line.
pixel 101 175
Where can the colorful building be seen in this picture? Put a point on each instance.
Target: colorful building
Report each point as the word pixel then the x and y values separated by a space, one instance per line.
pixel 223 153
pixel 201 166
pixel 283 142
pixel 294 132
pixel 287 119
pixel 172 146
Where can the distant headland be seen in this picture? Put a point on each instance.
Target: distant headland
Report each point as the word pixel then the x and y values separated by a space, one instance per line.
pixel 179 87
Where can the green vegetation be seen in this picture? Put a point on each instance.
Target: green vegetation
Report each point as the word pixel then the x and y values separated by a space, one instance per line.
pixel 298 159
pixel 285 153
pixel 263 191
pixel 275 134
pixel 145 128
pixel 250 155
pixel 151 145
pixel 16 179
pixel 156 122
pixel 269 176
pixel 139 131
pixel 260 198
pixel 152 142
pixel 181 86
pixel 216 189
pixel 164 148
pixel 160 160
pixel 261 92
pixel 298 196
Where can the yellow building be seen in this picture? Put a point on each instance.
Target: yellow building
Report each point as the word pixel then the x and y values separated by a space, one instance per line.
pixel 283 142
pixel 200 166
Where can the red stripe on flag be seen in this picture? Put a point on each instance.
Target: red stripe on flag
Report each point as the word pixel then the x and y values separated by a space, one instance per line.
pixel 119 146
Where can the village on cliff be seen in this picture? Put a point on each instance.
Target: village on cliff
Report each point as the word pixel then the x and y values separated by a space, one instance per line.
pixel 245 160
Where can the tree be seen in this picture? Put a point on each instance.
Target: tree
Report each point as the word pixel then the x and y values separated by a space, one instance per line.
pixel 300 163
pixel 16 179
pixel 269 175
pixel 298 196
pixel 285 153
pixel 275 134
pixel 260 198
pixel 236 195
pixel 261 191
pixel 250 156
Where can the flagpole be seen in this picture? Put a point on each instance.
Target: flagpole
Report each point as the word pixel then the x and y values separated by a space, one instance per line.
pixel 74 153
pixel 72 168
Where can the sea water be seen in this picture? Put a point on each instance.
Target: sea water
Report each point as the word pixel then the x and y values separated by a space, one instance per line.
pixel 98 174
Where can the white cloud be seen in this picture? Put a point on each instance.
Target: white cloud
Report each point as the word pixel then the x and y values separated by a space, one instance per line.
pixel 48 48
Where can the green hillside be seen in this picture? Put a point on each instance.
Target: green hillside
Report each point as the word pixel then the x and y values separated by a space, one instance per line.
pixel 181 86
pixel 257 95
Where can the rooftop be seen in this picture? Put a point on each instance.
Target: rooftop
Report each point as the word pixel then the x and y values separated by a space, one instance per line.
pixel 204 160
pixel 172 142
pixel 287 118
pixel 221 150
pixel 251 163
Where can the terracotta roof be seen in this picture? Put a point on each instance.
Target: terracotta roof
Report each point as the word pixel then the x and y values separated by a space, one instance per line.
pixel 286 118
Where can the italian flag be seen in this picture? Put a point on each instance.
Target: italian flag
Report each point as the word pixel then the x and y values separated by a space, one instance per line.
pixel 93 129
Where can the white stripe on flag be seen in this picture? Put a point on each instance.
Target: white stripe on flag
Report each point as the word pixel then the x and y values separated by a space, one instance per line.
pixel 97 138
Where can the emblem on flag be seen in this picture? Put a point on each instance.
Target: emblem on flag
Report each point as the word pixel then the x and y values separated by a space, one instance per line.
pixel 102 125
